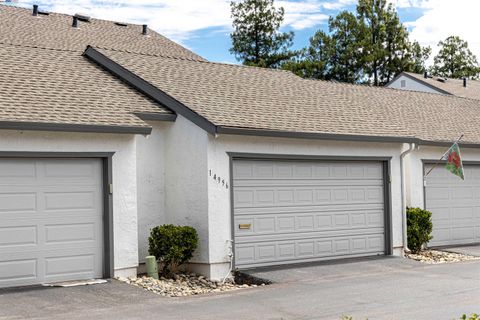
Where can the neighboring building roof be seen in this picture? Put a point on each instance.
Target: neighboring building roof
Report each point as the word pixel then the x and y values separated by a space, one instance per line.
pixel 60 90
pixel 54 31
pixel 448 85
pixel 234 98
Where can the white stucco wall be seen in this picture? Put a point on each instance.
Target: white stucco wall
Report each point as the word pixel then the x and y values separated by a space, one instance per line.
pixel 124 179
pixel 415 188
pixel 186 193
pixel 219 197
pixel 150 183
pixel 411 85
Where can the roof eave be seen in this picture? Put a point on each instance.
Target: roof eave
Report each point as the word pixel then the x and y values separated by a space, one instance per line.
pixel 147 116
pixel 314 135
pixel 68 127
pixel 447 144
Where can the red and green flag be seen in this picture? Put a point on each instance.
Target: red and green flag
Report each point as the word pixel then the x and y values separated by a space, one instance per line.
pixel 454 161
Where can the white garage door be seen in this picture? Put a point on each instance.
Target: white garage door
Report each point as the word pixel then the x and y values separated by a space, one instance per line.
pixel 455 206
pixel 298 211
pixel 50 220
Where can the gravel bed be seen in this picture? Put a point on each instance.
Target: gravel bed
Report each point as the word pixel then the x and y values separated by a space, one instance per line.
pixel 185 285
pixel 437 257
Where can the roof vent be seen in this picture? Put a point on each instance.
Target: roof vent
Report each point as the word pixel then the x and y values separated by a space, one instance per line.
pixel 442 80
pixel 425 74
pixel 45 13
pixel 144 29
pixel 464 82
pixel 35 10
pixel 121 24
pixel 82 17
pixel 75 22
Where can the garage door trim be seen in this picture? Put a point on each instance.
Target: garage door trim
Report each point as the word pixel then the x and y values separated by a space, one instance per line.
pixel 265 156
pixel 106 158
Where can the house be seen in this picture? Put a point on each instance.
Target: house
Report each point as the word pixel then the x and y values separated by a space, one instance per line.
pixel 465 88
pixel 107 130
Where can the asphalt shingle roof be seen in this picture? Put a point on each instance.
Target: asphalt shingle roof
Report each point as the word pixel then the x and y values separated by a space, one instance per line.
pixel 54 31
pixel 452 86
pixel 44 78
pixel 51 86
pixel 246 97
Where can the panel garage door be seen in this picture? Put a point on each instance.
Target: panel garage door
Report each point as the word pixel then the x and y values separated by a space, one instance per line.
pixel 50 220
pixel 455 206
pixel 298 211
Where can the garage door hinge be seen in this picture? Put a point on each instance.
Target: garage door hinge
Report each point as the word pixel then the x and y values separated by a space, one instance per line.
pixel 110 188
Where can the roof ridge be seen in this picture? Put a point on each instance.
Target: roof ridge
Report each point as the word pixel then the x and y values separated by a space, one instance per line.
pixel 37 47
pixel 197 60
pixel 66 15
pixel 18 6
pixel 148 54
pixel 2 42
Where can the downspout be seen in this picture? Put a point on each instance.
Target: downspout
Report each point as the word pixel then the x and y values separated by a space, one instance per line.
pixel 403 193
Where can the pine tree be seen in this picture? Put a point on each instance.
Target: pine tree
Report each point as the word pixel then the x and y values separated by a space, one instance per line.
pixel 372 46
pixel 417 58
pixel 256 40
pixel 313 62
pixel 346 34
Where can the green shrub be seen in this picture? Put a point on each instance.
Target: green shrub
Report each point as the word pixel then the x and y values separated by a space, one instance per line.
pixel 419 228
pixel 473 316
pixel 172 245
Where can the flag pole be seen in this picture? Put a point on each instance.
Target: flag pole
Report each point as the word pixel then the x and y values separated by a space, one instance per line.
pixel 438 162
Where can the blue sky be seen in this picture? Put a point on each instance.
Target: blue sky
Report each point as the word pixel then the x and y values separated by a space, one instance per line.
pixel 204 25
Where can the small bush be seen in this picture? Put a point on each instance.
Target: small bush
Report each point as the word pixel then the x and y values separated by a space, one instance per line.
pixel 419 228
pixel 473 316
pixel 172 245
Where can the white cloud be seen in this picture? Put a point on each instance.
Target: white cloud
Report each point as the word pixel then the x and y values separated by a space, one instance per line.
pixel 411 3
pixel 339 4
pixel 443 18
pixel 180 19
pixel 303 14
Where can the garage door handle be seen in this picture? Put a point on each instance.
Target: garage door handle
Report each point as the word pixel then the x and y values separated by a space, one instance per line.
pixel 244 226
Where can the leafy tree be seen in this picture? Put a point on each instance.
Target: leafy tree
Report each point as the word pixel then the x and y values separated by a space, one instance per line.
pixel 256 40
pixel 455 60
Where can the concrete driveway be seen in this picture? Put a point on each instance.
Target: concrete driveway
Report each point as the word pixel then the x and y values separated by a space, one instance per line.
pixel 473 250
pixel 387 288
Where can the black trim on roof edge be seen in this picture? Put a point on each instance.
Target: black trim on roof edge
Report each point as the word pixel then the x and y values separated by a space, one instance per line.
pixel 313 135
pixel 447 144
pixel 156 116
pixel 148 89
pixel 418 80
pixel 66 127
